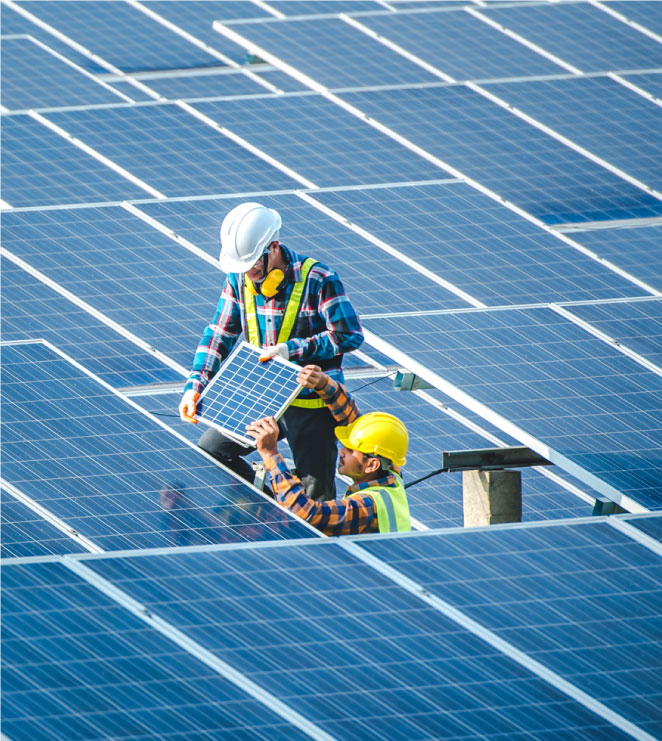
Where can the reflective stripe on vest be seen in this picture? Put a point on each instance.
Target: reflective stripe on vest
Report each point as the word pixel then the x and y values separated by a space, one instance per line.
pixel 289 317
pixel 392 507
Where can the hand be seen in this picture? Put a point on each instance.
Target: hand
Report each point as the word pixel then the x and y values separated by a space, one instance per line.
pixel 270 352
pixel 265 431
pixel 312 377
pixel 187 406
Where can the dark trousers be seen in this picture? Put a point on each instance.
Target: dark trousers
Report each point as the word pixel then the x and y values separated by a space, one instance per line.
pixel 310 433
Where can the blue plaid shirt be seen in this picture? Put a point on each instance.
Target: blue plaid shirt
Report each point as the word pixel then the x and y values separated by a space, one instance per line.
pixel 326 325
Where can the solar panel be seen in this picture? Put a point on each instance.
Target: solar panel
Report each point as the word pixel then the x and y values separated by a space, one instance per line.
pixel 650 525
pixel 79 665
pixel 325 144
pixel 41 168
pixel 583 599
pixel 606 118
pixel 121 35
pixel 245 390
pixel 172 151
pixel 635 249
pixel 111 472
pixel 459 44
pixel 35 78
pixel 651 82
pixel 581 35
pixel 574 398
pixel 397 669
pixel 225 83
pixel 646 12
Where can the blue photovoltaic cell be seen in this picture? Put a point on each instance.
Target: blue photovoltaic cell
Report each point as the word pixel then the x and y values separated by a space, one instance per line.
pixel 323 143
pixel 136 276
pixel 224 84
pixel 245 390
pixel 333 52
pixel 437 502
pixel 172 151
pixel 584 600
pixel 314 622
pixel 504 153
pixel 34 78
pixel 650 525
pixel 388 284
pixel 33 310
pixel 459 45
pixel 314 7
pixel 636 324
pixel 598 114
pixel 77 665
pixel 15 23
pixel 647 13
pixel 636 250
pixel 492 253
pixel 111 472
pixel 121 35
pixel 651 83
pixel 24 533
pixel 39 167
pixel 571 391
pixel 581 35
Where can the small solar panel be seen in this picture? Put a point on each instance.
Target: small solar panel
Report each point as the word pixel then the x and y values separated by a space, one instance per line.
pixel 245 390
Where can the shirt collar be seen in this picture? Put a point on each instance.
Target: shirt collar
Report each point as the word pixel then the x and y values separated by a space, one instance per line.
pixel 388 480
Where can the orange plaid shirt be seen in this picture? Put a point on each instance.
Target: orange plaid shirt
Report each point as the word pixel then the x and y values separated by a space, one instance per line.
pixel 353 514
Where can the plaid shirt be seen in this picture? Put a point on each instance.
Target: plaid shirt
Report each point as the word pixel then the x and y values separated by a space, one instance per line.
pixel 326 325
pixel 353 514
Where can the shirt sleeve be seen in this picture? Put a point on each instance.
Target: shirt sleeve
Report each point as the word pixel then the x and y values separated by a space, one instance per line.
pixel 339 401
pixel 352 515
pixel 343 331
pixel 217 340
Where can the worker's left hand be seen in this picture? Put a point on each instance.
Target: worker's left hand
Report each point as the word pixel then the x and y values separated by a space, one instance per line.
pixel 270 352
pixel 265 431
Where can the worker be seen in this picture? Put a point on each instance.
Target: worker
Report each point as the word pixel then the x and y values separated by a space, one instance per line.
pixel 291 306
pixel 374 449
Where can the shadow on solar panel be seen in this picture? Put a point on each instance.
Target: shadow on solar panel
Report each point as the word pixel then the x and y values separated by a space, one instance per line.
pixel 245 390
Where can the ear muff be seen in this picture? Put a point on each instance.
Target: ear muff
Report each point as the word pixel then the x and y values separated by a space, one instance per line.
pixel 272 283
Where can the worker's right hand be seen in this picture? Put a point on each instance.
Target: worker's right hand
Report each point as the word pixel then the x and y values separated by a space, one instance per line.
pixel 187 406
pixel 312 377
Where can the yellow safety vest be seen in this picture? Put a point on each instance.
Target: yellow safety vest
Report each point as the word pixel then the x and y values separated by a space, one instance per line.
pixel 289 317
pixel 392 507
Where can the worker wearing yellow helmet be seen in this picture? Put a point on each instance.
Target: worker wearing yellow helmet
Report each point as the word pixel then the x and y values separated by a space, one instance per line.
pixel 374 447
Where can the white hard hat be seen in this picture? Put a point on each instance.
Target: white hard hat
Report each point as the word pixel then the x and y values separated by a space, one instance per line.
pixel 245 232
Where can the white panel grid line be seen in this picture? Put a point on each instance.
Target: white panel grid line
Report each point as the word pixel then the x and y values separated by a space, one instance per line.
pixel 195 649
pixel 504 424
pixel 633 532
pixel 316 86
pixel 75 66
pixel 588 327
pixel 268 8
pixel 50 517
pixel 80 48
pixel 491 638
pixel 624 19
pixel 512 109
pixel 391 250
pixel 200 44
pixel 97 155
pixel 634 88
pixel 245 144
pixel 474 427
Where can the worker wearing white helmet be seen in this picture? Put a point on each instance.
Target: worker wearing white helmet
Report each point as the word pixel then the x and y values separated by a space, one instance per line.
pixel 374 447
pixel 292 306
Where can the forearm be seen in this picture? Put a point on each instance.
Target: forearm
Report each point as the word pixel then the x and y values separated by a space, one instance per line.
pixel 339 401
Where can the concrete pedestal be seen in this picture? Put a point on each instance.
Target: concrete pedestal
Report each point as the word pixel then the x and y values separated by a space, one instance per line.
pixel 490 497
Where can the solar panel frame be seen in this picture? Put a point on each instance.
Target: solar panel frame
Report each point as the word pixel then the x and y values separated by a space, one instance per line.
pixel 268 403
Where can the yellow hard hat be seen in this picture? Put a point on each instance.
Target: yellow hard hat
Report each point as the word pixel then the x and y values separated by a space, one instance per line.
pixel 376 433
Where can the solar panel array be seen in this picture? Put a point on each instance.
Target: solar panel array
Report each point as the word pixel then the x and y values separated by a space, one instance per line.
pixel 485 178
